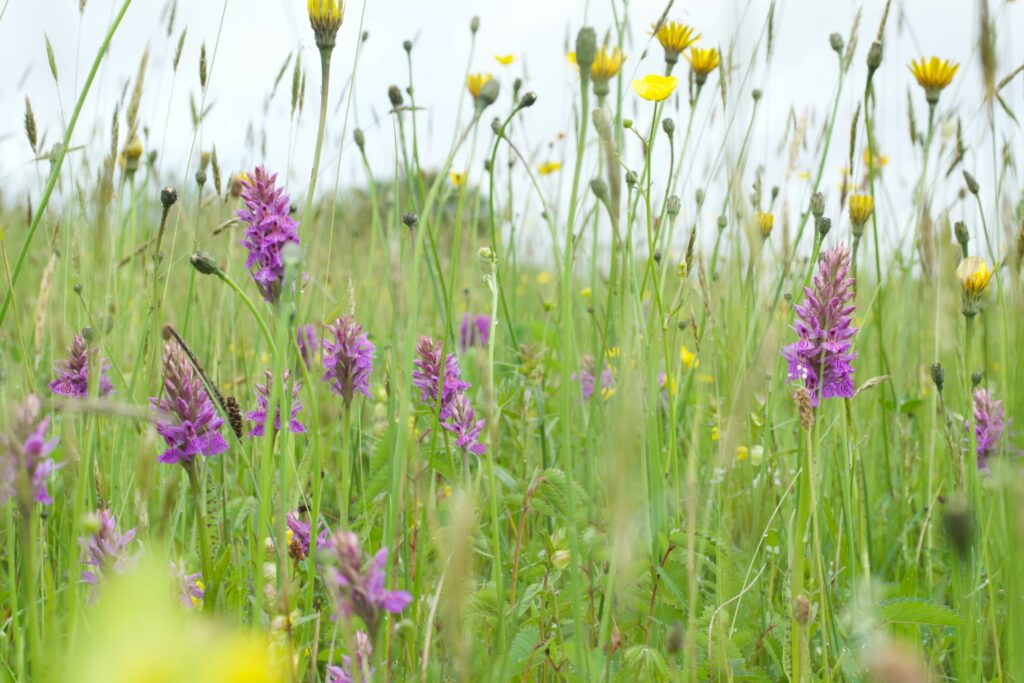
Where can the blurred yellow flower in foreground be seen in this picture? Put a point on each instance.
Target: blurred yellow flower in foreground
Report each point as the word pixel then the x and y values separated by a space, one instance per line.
pixel 933 75
pixel 765 223
pixel 505 60
pixel 655 88
pixel 458 179
pixel 138 632
pixel 549 167
pixel 688 358
pixel 543 277
pixel 607 64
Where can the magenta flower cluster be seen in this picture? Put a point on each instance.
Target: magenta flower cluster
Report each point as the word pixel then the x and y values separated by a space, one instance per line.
pixel 187 418
pixel 821 357
pixel 456 413
pixel 105 551
pixel 259 416
pixel 588 379
pixel 364 652
pixel 73 374
pixel 25 464
pixel 302 535
pixel 270 228
pixel 989 425
pixel 474 331
pixel 348 358
pixel 307 342
pixel 358 586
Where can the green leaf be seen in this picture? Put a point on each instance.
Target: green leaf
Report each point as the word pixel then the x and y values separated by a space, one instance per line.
pixel 917 611
pixel 524 645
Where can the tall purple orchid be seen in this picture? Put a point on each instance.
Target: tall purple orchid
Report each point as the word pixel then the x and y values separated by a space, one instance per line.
pixel 456 412
pixel 300 535
pixel 105 550
pixel 188 420
pixel 474 331
pixel 821 357
pixel 270 228
pixel 989 425
pixel 25 464
pixel 259 416
pixel 589 380
pixel 343 673
pixel 348 358
pixel 358 586
pixel 73 374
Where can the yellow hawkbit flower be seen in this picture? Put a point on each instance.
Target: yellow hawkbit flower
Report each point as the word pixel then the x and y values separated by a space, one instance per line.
pixel 702 62
pixel 458 179
pixel 505 60
pixel 974 275
pixel 606 66
pixel 933 75
pixel 688 357
pixel 674 38
pixel 655 88
pixel 476 82
pixel 765 223
pixel 861 206
pixel 130 155
pixel 549 167
pixel 325 16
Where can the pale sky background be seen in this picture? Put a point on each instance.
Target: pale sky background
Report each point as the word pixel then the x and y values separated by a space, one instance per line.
pixel 248 40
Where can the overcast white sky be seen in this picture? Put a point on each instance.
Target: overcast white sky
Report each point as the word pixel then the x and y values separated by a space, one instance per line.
pixel 248 40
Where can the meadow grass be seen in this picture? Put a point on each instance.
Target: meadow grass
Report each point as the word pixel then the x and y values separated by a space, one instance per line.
pixel 625 471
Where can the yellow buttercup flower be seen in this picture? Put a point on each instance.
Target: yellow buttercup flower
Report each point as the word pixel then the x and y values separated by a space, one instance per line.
pixel 325 16
pixel 476 82
pixel 933 75
pixel 702 62
pixel 974 275
pixel 655 88
pixel 861 206
pixel 765 223
pixel 458 179
pixel 549 167
pixel 688 357
pixel 714 433
pixel 675 37
pixel 742 453
pixel 505 60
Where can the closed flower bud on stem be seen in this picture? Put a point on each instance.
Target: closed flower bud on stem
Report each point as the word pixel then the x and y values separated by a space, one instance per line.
pixel 823 227
pixel 359 138
pixel 204 263
pixel 938 376
pixel 586 50
pixel 395 96
pixel 673 206
pixel 972 183
pixel 874 57
pixel 835 41
pixel 528 99
pixel 168 197
pixel 669 126
pixel 962 236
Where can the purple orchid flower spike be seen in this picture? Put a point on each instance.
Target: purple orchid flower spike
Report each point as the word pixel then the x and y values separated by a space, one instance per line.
pixel 259 416
pixel 821 357
pixel 188 420
pixel 25 465
pixel 270 228
pixel 73 374
pixel 348 359
pixel 105 550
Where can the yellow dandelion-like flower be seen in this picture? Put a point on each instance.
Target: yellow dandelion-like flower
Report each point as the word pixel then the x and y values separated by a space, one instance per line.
pixel 861 206
pixel 933 75
pixel 607 64
pixel 586 292
pixel 765 223
pixel 702 62
pixel 612 352
pixel 675 37
pixel 688 357
pixel 476 82
pixel 974 275
pixel 504 60
pixel 458 179
pixel 325 16
pixel 714 433
pixel 742 453
pixel 655 88
pixel 549 167
pixel 543 277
